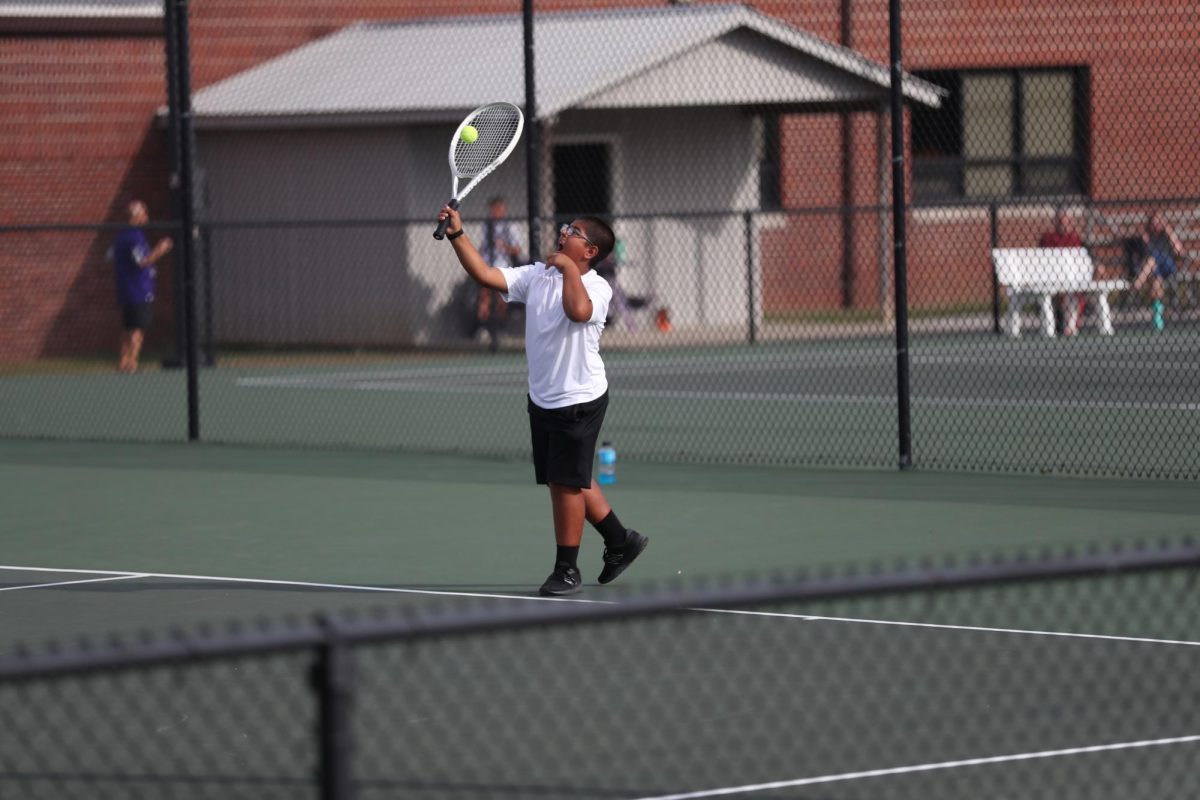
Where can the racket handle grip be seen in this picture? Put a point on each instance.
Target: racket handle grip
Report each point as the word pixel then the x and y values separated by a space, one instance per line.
pixel 440 232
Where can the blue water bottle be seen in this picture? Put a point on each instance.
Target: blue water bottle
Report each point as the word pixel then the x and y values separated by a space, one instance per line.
pixel 607 457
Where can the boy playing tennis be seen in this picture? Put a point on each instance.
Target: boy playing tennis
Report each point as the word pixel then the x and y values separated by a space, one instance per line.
pixel 565 306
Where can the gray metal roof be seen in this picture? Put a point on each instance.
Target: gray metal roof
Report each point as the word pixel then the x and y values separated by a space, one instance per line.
pixel 81 8
pixel 437 69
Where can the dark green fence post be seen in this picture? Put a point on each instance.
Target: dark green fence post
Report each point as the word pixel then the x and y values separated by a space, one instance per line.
pixel 184 141
pixel 333 680
pixel 748 224
pixel 899 207
pixel 995 242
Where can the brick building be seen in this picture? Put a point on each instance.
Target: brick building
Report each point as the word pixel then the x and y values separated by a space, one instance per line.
pixel 1089 102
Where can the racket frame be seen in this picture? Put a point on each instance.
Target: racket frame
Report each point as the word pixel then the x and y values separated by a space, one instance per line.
pixel 456 175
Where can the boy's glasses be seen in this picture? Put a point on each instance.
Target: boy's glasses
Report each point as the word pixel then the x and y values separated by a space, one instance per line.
pixel 571 230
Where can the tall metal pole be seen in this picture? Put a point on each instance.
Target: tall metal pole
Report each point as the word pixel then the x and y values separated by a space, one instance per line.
pixel 170 39
pixel 993 214
pixel 845 122
pixel 904 421
pixel 751 315
pixel 186 259
pixel 533 172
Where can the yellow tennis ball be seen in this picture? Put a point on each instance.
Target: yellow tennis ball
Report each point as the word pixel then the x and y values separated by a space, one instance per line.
pixel 469 134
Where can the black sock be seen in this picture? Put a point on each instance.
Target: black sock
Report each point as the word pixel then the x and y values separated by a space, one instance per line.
pixel 611 529
pixel 566 555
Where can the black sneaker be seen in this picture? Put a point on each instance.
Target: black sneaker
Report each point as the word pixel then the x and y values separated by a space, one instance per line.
pixel 564 580
pixel 616 559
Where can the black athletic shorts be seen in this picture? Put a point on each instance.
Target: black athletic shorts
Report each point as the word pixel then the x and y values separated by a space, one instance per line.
pixel 564 441
pixel 136 318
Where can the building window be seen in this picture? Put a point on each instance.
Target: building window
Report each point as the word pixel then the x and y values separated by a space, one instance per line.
pixel 1002 133
pixel 770 157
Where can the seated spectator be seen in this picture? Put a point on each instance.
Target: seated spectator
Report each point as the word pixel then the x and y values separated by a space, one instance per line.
pixel 607 269
pixel 1064 235
pixel 621 303
pixel 1156 259
pixel 501 248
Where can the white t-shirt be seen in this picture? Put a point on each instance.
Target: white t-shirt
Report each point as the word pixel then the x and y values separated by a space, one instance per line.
pixel 564 356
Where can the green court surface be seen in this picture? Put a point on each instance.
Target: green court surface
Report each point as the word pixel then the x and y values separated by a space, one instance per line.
pixel 443 523
pixel 981 694
pixel 1091 405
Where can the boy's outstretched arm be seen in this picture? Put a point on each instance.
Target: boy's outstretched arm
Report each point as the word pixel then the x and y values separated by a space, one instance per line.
pixel 480 271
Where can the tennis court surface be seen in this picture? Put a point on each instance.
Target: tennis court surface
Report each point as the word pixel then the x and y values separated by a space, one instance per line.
pixel 979 402
pixel 1064 686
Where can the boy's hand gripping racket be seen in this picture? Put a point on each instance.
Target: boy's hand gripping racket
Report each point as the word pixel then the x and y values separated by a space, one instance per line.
pixel 498 126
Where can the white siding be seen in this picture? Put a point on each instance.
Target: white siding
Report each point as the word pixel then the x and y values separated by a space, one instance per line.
pixel 392 284
pixel 683 175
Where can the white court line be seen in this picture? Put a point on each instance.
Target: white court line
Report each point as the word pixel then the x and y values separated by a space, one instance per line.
pixel 770 362
pixel 903 624
pixel 122 577
pixel 303 584
pixel 483 595
pixel 773 362
pixel 391 385
pixel 729 790
pixel 966 762
pixel 917 399
pixel 429 380
pixel 1057 362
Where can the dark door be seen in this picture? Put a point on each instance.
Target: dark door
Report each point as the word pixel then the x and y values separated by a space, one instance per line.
pixel 582 181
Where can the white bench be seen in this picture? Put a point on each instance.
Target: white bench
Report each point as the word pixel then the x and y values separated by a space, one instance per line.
pixel 1035 274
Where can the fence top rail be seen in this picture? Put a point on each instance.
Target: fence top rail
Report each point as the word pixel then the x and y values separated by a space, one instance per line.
pixel 330 631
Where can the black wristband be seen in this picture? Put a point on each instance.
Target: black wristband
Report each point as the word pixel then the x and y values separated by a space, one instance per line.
pixel 452 236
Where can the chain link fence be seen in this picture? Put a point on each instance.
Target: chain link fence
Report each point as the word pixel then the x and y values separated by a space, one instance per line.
pixel 1064 675
pixel 743 156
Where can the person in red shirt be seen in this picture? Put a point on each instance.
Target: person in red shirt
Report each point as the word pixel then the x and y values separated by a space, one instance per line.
pixel 1063 235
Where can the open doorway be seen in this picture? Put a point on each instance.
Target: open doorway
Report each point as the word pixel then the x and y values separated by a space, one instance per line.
pixel 582 180
pixel 583 187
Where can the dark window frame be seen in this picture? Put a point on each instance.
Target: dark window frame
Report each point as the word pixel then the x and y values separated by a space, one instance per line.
pixel 770 165
pixel 933 173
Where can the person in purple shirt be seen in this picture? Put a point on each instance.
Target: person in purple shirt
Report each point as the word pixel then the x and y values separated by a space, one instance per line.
pixel 134 263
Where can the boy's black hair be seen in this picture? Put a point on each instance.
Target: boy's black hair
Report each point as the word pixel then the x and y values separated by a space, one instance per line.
pixel 601 235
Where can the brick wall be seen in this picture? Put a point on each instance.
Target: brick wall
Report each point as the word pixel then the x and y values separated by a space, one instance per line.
pixel 79 139
pixel 1143 118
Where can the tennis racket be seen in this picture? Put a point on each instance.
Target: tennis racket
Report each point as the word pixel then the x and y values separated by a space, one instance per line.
pixel 499 126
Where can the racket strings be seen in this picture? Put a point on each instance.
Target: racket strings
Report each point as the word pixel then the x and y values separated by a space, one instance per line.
pixel 497 126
